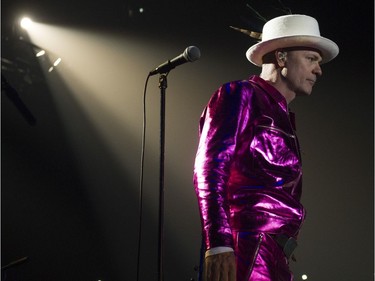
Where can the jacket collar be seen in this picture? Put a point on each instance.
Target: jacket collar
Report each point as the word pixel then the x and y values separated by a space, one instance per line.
pixel 276 95
pixel 271 91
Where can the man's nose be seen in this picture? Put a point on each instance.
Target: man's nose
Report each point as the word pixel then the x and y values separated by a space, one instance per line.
pixel 318 70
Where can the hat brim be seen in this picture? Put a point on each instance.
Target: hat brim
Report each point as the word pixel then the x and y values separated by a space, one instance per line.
pixel 329 49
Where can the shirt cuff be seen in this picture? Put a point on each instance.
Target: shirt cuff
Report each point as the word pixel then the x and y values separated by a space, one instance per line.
pixel 218 250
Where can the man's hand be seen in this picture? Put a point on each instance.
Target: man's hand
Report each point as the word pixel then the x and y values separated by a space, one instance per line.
pixel 220 267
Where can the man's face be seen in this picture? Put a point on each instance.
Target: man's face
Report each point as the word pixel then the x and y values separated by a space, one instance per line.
pixel 301 70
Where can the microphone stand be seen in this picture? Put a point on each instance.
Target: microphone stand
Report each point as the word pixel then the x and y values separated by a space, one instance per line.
pixel 163 86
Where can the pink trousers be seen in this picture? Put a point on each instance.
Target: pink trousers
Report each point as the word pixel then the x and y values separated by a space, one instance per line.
pixel 260 258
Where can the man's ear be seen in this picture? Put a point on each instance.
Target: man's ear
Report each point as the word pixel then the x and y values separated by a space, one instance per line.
pixel 280 57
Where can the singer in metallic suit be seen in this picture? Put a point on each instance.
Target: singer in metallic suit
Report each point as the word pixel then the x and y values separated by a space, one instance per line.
pixel 247 173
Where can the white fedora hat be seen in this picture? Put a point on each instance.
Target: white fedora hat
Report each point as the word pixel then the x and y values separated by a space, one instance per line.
pixel 291 31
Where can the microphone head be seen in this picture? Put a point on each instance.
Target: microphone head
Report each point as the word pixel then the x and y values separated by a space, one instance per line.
pixel 192 53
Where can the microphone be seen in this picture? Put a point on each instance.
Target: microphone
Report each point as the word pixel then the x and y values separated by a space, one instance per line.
pixel 190 54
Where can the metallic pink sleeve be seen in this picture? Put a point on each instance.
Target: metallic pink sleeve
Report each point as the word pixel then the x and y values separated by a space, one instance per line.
pixel 220 123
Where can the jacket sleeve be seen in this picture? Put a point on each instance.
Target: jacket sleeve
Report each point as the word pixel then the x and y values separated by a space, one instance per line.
pixel 219 126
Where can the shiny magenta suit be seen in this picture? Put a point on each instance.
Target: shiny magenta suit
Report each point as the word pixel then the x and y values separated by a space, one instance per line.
pixel 248 177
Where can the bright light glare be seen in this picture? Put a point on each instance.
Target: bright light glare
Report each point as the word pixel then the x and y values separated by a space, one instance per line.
pixel 26 23
pixel 41 53
pixel 56 63
pixel 304 277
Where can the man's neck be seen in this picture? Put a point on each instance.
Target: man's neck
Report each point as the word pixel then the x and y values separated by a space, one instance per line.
pixel 274 79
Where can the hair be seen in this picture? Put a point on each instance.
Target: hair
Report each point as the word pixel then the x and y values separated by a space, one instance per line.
pixel 269 58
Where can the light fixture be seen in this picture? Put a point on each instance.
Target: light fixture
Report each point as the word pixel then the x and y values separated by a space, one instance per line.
pixel 56 63
pixel 40 53
pixel 26 23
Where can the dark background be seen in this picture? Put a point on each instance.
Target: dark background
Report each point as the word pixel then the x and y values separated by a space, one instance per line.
pixel 71 139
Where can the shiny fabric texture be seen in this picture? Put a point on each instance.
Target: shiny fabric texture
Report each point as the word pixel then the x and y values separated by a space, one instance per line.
pixel 259 258
pixel 247 172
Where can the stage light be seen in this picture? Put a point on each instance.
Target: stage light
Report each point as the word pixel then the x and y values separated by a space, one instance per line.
pixel 304 277
pixel 40 53
pixel 26 23
pixel 56 63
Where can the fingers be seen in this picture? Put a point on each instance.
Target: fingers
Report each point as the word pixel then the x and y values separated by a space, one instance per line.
pixel 220 267
pixel 232 272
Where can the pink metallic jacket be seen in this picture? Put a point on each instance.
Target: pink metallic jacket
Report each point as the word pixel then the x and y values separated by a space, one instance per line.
pixel 247 172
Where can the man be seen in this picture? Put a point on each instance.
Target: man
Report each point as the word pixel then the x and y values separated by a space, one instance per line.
pixel 247 172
